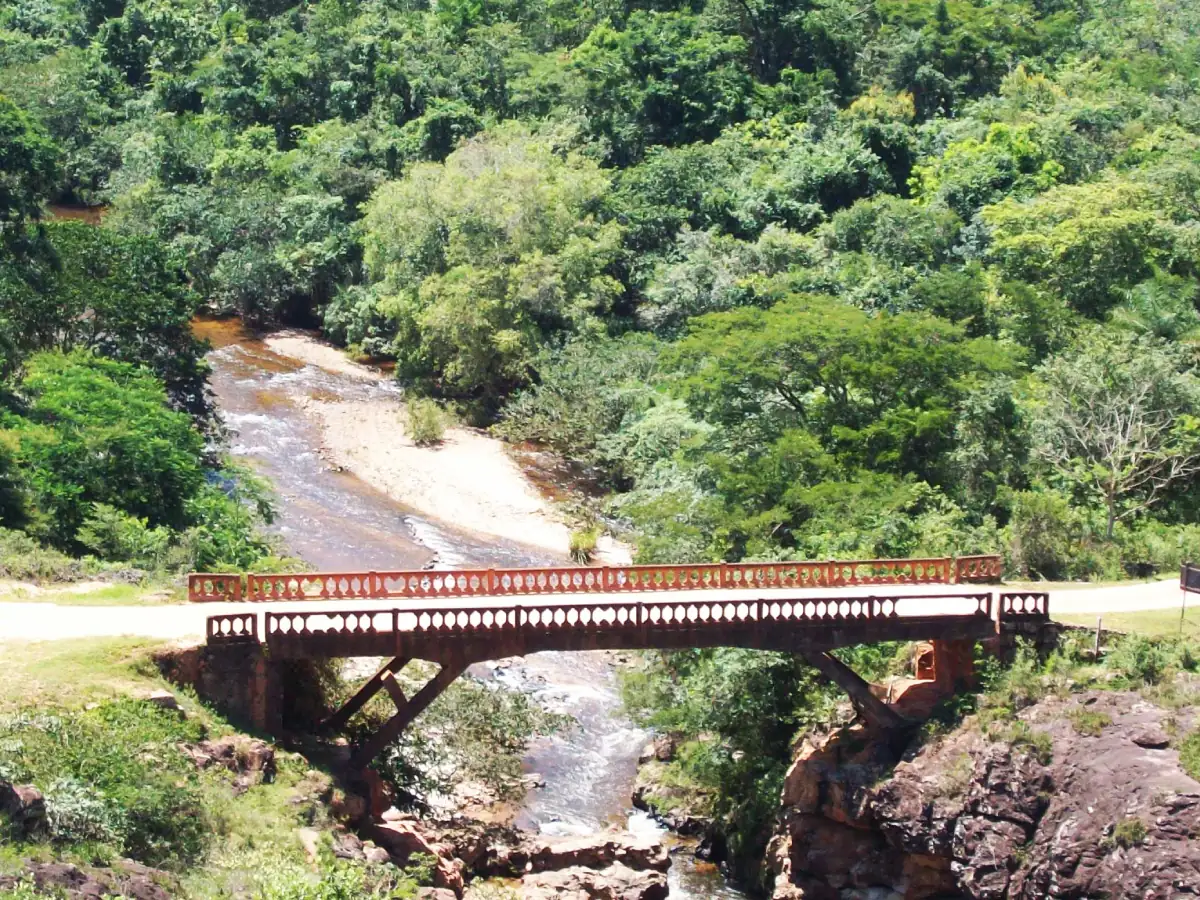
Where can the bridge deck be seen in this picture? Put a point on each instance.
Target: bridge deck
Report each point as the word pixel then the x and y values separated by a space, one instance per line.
pixel 487 627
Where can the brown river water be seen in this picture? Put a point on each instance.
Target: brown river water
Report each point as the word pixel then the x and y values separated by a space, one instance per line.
pixel 334 521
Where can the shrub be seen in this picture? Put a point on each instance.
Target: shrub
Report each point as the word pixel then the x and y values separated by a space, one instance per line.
pixel 1089 722
pixel 114 775
pixel 116 536
pixel 1144 660
pixel 22 557
pixel 98 431
pixel 425 422
pixel 1039 743
pixel 1040 534
pixel 77 813
pixel 1189 755
pixel 1129 833
pixel 1018 686
pixel 583 544
pixel 335 880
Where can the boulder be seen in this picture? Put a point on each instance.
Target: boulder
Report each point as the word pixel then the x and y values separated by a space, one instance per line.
pixel 615 882
pixel 661 749
pixel 1151 738
pixel 374 854
pixel 252 761
pixel 25 808
pixel 346 845
pixel 125 878
pixel 164 700
pixel 404 837
pixel 542 854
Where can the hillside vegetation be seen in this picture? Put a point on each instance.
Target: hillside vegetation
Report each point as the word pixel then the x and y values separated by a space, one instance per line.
pixel 813 278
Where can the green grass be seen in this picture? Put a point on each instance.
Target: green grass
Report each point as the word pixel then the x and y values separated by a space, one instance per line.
pixel 74 672
pixel 1152 622
pixel 1089 722
pixel 71 724
pixel 1189 754
pixel 94 594
pixel 1129 833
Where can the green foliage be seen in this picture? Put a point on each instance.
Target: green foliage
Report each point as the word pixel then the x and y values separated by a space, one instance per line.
pixel 1040 533
pixel 424 421
pixel 1089 722
pixel 99 431
pixel 1038 743
pixel 106 465
pixel 1189 755
pixel 479 260
pixel 114 535
pixel 335 880
pixel 24 559
pixel 113 776
pixel 741 709
pixel 660 78
pixel 1117 418
pixel 472 732
pixel 582 545
pixel 118 296
pixel 1129 833
pixel 924 198
pixel 28 170
pixel 1147 661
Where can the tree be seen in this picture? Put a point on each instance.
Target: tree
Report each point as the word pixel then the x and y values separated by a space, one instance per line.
pixel 480 261
pixel 99 431
pixel 1117 418
pixel 1089 243
pixel 880 392
pixel 661 79
pixel 28 171
pixel 118 295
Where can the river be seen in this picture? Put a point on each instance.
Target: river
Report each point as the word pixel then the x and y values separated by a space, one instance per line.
pixel 335 522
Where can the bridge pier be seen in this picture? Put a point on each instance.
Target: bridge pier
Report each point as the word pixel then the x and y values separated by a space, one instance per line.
pixel 238 678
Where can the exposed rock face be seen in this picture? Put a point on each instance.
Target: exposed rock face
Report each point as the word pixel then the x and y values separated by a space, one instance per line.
pixel 404 836
pixel 606 866
pixel 252 761
pixel 672 807
pixel 615 882
pixel 124 879
pixel 965 817
pixel 593 851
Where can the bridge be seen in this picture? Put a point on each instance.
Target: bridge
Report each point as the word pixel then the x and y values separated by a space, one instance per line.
pixel 458 618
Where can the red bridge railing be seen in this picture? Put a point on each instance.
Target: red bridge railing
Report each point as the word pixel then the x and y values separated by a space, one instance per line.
pixel 208 587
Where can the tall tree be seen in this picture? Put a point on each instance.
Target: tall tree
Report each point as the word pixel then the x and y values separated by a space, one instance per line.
pixel 1115 417
pixel 28 171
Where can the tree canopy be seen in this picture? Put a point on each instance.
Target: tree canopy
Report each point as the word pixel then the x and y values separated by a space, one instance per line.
pixel 787 278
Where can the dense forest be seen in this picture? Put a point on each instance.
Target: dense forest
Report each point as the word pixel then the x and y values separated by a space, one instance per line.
pixel 792 279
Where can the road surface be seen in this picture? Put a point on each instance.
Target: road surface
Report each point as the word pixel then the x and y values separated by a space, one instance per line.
pixel 186 622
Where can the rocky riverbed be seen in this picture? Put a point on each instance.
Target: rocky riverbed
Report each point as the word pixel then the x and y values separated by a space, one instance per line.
pixel 277 396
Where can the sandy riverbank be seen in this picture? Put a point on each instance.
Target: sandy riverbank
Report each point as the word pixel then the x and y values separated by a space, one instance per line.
pixel 469 481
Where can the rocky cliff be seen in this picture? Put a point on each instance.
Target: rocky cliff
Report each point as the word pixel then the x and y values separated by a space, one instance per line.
pixel 1086 799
